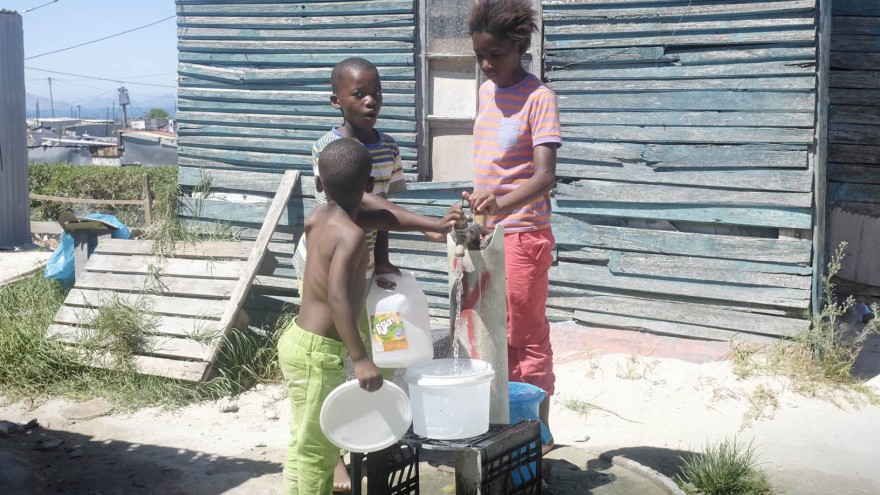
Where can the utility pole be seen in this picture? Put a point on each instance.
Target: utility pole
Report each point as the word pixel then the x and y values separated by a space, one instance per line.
pixel 51 100
pixel 38 111
pixel 124 101
pixel 79 113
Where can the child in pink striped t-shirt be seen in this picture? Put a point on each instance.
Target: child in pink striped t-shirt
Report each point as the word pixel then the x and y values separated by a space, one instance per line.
pixel 516 135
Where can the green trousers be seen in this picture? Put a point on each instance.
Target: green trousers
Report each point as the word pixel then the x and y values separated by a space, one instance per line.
pixel 313 367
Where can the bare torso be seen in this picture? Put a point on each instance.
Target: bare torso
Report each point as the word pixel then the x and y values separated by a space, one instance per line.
pixel 334 281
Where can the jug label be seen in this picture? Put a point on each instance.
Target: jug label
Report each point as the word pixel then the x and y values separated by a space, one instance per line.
pixel 388 332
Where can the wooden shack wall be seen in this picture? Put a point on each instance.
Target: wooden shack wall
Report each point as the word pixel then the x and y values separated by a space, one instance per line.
pixel 687 165
pixel 854 137
pixel 686 178
pixel 14 202
pixel 254 95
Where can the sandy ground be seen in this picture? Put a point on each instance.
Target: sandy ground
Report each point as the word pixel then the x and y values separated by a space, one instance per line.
pixel 16 264
pixel 665 397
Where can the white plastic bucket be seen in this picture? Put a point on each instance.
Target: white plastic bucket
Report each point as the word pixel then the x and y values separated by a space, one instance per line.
pixel 400 326
pixel 448 402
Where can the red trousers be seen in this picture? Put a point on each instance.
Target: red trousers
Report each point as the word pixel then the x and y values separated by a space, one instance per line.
pixel 528 256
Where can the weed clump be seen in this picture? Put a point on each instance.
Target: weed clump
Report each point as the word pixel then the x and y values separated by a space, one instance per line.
pixel 726 468
pixel 822 356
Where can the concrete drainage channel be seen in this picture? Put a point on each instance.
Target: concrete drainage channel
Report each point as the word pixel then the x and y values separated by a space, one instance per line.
pixel 571 470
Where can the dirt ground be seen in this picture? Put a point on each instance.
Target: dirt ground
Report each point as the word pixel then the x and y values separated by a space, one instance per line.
pixel 657 398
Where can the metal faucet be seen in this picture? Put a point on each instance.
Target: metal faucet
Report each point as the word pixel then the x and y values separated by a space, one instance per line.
pixel 468 236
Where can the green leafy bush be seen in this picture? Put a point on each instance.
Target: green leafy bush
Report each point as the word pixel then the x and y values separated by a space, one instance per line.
pixel 111 183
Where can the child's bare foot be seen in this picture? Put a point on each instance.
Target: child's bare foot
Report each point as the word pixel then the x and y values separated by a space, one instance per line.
pixel 341 479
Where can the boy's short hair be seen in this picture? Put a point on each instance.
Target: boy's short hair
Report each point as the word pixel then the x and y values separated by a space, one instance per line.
pixel 511 19
pixel 345 166
pixel 349 65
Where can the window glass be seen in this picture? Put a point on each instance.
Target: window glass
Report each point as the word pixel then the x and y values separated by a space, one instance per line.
pixel 447 30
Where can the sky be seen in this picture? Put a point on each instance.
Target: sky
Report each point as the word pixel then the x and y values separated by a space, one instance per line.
pixel 147 55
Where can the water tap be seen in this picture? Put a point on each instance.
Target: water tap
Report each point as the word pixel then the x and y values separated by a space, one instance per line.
pixel 468 236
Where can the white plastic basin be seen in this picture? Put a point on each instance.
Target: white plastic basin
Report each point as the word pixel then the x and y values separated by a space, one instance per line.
pixel 448 402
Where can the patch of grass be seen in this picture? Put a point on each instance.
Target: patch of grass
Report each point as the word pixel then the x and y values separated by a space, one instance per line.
pixel 72 181
pixel 120 329
pixel 763 403
pixel 636 368
pixel 34 367
pixel 726 468
pixel 819 360
pixel 584 408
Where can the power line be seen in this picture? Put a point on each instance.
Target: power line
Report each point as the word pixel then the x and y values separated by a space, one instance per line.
pixel 102 39
pixel 37 7
pixel 101 78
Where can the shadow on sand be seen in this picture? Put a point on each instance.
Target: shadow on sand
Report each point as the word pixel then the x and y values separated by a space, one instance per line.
pixel 42 461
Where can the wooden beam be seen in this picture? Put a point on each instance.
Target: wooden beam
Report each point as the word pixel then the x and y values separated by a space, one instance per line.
pixel 261 244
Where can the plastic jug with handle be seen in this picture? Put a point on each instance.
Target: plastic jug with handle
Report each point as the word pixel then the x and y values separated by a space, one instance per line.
pixel 400 327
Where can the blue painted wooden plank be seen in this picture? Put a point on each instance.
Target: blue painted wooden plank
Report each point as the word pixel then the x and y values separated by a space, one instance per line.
pixel 398 87
pixel 855 8
pixel 282 121
pixel 299 146
pixel 696 135
pixel 572 233
pixel 855 25
pixel 855 133
pixel 684 118
pixel 679 56
pixel 403 139
pixel 792 218
pixel 855 61
pixel 772 34
pixel 859 44
pixel 710 270
pixel 855 79
pixel 263 46
pixel 276 160
pixel 318 110
pixel 606 192
pixel 848 114
pixel 238 75
pixel 789 83
pixel 691 100
pixel 288 59
pixel 253 213
pixel 578 12
pixel 851 153
pixel 600 278
pixel 283 22
pixel 854 193
pixel 859 174
pixel 680 156
pixel 639 173
pixel 287 96
pixel 652 26
pixel 297 9
pixel 764 69
pixel 374 33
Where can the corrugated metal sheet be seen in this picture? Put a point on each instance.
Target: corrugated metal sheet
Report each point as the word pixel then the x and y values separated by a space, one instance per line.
pixel 14 202
pixel 854 137
pixel 689 134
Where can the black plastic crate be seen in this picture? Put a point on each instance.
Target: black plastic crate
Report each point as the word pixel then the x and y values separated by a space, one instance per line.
pixel 391 471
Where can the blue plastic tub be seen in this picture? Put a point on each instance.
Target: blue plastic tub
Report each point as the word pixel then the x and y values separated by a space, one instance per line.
pixel 525 400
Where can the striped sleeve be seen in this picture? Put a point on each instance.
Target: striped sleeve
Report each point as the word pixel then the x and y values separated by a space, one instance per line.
pixel 544 118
